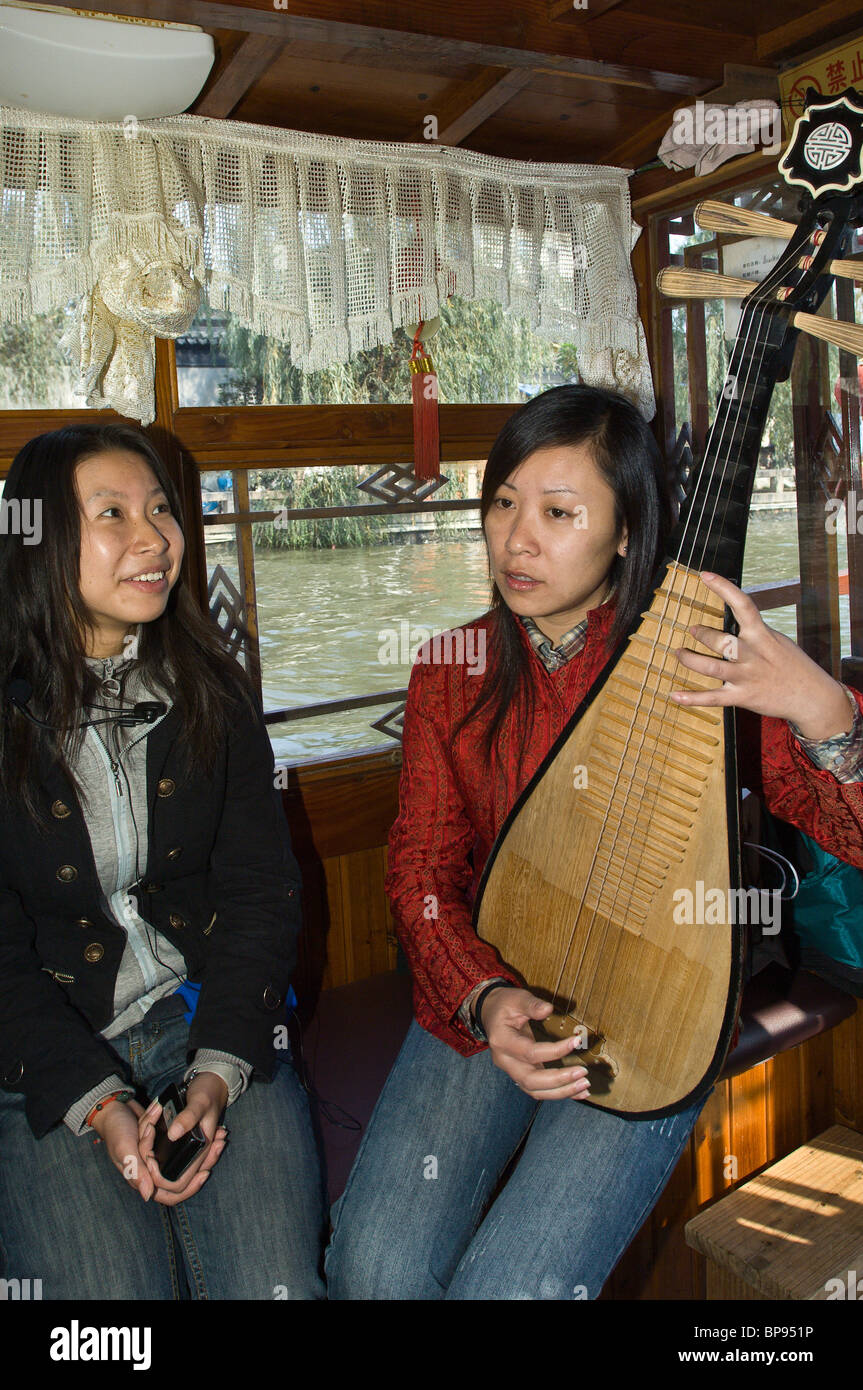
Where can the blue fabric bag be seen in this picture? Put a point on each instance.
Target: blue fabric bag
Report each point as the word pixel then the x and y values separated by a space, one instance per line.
pixel 827 916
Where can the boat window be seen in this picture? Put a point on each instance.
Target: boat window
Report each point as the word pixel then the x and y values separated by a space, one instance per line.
pixel 335 587
pixel 34 372
pixel 799 524
pixel 482 354
pixel 338 592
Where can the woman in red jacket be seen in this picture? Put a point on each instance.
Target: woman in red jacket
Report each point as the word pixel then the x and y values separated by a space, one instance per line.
pixel 576 519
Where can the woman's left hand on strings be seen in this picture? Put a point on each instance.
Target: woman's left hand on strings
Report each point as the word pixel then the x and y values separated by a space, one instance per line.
pixel 763 671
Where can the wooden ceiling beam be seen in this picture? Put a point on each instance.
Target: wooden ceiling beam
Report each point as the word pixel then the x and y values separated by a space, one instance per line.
pixel 621 77
pixel 251 60
pixel 810 26
pixel 693 27
pixel 473 102
pixel 592 9
pixel 644 142
pixel 369 59
pixel 431 48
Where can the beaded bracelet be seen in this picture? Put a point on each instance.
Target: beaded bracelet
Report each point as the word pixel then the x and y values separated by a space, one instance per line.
pixel 106 1100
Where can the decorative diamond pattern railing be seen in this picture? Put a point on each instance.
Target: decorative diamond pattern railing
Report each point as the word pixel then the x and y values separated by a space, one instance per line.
pixel 395 483
pixel 226 602
pixel 392 723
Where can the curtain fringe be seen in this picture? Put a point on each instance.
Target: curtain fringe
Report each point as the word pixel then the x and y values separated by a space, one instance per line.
pixel 328 245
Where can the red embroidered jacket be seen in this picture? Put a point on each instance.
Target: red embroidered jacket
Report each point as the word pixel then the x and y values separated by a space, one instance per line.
pixel 453 802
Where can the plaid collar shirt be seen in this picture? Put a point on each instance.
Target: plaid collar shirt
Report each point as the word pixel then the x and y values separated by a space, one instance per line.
pixel 553 657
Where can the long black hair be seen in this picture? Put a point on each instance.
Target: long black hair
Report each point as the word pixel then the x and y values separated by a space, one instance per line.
pixel 627 455
pixel 45 625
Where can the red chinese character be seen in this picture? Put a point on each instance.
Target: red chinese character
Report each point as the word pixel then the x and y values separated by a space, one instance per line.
pixel 857 67
pixel 836 79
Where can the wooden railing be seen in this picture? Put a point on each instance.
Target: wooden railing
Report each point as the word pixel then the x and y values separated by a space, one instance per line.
pixel 786 593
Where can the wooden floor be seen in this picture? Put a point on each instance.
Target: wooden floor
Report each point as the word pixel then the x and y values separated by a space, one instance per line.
pixel 340 816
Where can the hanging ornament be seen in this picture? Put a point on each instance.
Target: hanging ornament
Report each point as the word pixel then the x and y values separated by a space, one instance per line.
pixel 424 397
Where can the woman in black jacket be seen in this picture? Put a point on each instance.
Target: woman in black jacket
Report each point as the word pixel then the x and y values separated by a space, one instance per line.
pixel 142 846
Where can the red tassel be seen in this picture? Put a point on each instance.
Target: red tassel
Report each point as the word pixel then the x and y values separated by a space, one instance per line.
pixel 424 397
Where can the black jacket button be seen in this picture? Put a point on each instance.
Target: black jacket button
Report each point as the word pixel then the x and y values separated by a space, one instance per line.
pixel 94 952
pixel 272 1000
pixel 85 922
pixel 12 1075
pixel 153 887
pixel 177 922
pixel 166 787
pixel 59 810
pixel 67 873
pixel 175 852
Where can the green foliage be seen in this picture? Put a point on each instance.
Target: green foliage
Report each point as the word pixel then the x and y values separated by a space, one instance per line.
pixel 337 487
pixel 264 374
pixel 33 371
pixel 307 487
pixel 481 355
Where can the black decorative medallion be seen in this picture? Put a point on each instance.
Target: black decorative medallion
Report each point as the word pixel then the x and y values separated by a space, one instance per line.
pixel 826 146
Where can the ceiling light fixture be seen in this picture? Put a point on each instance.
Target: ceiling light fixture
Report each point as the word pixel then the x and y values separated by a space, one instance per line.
pixel 96 66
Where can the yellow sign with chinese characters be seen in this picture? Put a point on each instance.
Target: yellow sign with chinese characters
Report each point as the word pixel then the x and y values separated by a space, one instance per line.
pixel 830 74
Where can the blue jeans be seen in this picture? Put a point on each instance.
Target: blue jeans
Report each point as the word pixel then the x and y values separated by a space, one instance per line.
pixel 254 1231
pixel 414 1221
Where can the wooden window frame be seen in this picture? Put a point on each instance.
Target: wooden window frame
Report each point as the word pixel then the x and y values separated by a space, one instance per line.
pixel 815 594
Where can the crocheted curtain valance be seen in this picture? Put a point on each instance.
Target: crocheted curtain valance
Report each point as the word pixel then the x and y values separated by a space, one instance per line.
pixel 325 244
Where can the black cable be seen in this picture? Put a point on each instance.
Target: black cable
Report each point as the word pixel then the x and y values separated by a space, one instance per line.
pixel 326 1108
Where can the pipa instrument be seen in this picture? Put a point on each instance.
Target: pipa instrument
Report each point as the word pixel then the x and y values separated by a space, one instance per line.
pixel 636 804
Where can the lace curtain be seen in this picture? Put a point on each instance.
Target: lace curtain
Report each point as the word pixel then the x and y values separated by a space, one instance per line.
pixel 325 244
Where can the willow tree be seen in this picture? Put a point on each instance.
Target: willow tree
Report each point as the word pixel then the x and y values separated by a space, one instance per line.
pixel 481 354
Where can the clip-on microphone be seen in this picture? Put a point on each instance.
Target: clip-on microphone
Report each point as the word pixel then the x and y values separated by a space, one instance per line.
pixel 18 693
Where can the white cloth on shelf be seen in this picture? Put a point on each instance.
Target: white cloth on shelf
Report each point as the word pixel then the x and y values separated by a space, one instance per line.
pixel 707 134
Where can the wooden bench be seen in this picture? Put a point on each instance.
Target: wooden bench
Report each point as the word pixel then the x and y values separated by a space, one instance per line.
pixel 794 1231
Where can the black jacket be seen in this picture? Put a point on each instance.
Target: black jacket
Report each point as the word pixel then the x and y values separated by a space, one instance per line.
pixel 220 883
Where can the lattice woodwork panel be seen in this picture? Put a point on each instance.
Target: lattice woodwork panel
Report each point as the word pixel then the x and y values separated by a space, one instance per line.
pixel 829 456
pixel 392 723
pixel 395 483
pixel 226 607
pixel 681 463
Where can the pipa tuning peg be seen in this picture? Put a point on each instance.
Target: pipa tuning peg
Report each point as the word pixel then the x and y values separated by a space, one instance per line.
pixel 847 336
pixel 702 284
pixel 714 216
pixel 846 270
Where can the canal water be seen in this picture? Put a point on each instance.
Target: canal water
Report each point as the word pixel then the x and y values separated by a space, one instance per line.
pixel 336 623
